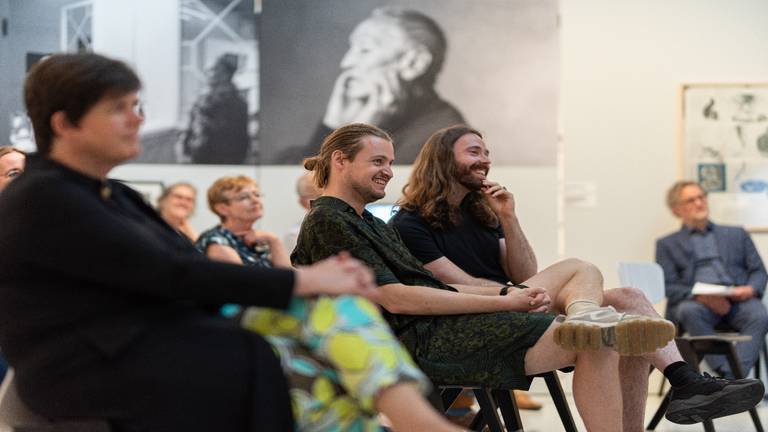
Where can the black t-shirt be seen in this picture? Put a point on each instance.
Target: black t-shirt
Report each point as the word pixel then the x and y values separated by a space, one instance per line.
pixel 473 247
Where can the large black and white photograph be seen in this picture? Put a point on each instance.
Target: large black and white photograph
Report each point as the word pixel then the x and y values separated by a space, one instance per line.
pixel 218 79
pixel 410 67
pixel 198 60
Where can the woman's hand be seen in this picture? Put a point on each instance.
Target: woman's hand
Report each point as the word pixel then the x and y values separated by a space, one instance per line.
pixel 337 275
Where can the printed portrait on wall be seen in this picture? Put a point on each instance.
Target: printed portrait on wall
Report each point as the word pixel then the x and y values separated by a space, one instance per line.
pixel 411 68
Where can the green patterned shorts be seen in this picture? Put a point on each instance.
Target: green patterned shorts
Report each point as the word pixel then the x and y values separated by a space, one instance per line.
pixel 478 349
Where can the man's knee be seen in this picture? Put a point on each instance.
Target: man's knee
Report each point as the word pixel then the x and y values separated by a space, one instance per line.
pixel 582 267
pixel 626 299
pixel 689 311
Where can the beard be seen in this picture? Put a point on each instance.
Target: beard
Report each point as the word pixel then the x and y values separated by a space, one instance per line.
pixel 367 193
pixel 467 178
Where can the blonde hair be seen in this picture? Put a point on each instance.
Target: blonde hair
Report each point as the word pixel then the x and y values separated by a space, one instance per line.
pixel 346 139
pixel 6 149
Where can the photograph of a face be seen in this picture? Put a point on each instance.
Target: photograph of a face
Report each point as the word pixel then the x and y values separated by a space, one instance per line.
pixel 411 68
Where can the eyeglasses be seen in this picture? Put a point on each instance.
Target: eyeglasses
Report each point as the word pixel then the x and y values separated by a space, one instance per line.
pixel 693 199
pixel 242 196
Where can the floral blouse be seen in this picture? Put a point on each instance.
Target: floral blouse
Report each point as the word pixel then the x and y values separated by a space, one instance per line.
pixel 256 255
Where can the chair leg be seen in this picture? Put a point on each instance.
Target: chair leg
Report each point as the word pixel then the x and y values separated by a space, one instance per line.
pixel 488 408
pixel 660 411
pixel 505 399
pixel 733 361
pixel 558 397
pixel 449 396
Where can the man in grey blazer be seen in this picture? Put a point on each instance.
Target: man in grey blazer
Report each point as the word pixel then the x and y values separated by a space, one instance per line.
pixel 702 251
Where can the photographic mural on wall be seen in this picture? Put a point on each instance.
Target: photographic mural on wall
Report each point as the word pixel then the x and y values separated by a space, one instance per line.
pixel 725 148
pixel 410 67
pixel 218 76
pixel 263 82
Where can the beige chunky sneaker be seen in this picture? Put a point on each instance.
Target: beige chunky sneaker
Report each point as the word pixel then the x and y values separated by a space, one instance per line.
pixel 604 327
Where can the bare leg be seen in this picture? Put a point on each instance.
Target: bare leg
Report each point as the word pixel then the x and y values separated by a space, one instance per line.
pixel 569 280
pixel 633 300
pixel 408 411
pixel 634 370
pixel 595 380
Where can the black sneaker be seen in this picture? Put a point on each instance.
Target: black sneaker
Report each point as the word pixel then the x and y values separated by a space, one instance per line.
pixel 709 398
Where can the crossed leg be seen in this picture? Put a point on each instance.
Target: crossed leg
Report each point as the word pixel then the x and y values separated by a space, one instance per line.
pixel 573 279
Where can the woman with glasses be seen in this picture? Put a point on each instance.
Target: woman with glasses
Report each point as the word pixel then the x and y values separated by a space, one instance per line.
pixel 237 202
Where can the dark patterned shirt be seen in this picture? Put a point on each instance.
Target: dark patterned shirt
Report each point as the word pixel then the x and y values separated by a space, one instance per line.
pixel 255 256
pixel 332 226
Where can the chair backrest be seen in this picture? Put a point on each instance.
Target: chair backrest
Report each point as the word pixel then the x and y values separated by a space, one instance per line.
pixel 645 276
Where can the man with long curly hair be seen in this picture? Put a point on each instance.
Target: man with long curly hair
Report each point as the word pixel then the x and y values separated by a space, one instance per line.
pixel 465 229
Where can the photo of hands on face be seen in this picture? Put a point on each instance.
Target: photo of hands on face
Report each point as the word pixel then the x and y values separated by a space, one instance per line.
pixel 372 83
pixel 387 78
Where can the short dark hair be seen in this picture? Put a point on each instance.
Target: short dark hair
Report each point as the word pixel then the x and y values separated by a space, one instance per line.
pixel 72 83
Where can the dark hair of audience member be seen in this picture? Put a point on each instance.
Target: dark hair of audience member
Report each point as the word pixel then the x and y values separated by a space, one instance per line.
pixel 72 83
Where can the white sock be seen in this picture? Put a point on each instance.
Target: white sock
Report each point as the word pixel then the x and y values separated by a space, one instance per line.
pixel 580 306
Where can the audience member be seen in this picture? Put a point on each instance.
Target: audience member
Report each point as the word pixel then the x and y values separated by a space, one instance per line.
pixel 702 251
pixel 107 317
pixel 307 191
pixel 237 203
pixel 464 227
pixel 478 334
pixel 352 325
pixel 11 165
pixel 176 205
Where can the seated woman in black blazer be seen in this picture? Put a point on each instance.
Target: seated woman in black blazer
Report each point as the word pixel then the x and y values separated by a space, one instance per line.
pixel 104 303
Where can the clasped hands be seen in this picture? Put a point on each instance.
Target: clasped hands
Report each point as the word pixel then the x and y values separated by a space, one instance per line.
pixel 531 300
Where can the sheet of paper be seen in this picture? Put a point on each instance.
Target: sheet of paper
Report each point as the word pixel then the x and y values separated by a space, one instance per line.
pixel 700 288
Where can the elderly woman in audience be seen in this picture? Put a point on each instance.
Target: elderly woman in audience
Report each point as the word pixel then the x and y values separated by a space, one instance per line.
pixel 237 202
pixel 11 164
pixel 320 342
pixel 176 204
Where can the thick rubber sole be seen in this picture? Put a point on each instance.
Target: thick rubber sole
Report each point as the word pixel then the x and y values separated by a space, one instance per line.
pixel 732 400
pixel 631 337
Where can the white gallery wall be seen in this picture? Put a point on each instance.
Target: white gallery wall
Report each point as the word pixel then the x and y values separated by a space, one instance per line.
pixel 622 66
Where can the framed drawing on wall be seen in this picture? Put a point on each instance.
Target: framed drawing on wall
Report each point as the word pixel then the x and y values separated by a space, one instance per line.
pixel 724 146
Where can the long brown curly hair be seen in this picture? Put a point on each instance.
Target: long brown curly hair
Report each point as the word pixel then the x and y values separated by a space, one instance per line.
pixel 433 180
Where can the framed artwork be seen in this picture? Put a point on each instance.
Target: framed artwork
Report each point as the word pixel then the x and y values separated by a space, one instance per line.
pixel 724 146
pixel 150 190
